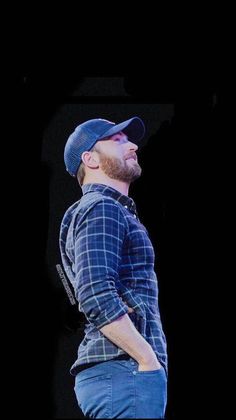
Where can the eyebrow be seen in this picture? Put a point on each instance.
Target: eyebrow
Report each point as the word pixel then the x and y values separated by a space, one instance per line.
pixel 119 132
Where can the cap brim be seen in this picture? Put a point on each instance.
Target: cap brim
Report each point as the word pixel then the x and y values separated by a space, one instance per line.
pixel 134 129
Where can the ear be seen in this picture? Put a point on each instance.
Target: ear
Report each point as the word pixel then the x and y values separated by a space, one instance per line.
pixel 89 159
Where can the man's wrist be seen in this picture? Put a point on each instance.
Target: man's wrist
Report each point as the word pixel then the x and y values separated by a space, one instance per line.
pixel 147 356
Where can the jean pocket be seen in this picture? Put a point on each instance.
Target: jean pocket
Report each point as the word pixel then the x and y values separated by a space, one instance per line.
pixel 94 396
pixel 149 372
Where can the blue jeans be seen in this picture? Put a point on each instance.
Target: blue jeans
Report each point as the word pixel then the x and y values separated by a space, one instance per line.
pixel 116 389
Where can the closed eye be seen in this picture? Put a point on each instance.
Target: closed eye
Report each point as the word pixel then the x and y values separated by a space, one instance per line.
pixel 120 138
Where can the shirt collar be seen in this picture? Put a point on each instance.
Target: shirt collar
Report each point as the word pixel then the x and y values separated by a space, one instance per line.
pixel 126 201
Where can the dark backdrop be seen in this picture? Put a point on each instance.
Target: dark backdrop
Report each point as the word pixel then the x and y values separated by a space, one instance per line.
pixel 178 201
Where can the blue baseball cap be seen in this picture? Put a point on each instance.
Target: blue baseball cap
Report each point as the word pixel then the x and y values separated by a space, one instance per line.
pixel 88 133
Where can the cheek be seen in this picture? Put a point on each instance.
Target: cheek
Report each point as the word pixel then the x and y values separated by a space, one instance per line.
pixel 117 153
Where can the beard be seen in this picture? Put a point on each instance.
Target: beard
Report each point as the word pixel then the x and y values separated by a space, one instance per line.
pixel 119 169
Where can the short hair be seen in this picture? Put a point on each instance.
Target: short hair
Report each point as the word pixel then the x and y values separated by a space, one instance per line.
pixel 81 171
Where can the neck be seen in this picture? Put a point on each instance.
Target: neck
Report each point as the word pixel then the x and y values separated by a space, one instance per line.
pixel 120 186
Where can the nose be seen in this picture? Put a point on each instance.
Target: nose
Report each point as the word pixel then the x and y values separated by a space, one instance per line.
pixel 133 146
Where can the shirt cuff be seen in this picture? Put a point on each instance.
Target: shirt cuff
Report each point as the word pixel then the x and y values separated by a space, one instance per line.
pixel 110 315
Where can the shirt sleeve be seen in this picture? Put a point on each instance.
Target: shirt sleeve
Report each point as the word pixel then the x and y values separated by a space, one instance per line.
pixel 98 250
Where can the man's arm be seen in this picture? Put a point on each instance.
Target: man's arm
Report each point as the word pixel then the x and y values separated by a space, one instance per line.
pixel 123 333
pixel 98 250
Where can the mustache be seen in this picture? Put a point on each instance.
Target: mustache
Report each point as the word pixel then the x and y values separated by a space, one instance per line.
pixel 131 155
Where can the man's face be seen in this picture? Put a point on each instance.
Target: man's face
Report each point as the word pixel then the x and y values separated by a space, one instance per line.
pixel 118 159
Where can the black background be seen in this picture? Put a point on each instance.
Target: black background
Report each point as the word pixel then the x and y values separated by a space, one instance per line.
pixel 179 199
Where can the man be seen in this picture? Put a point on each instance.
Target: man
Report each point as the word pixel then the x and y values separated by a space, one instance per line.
pixel 121 369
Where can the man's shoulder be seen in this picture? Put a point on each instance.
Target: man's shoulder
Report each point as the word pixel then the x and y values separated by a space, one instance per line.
pixel 96 199
pixel 90 204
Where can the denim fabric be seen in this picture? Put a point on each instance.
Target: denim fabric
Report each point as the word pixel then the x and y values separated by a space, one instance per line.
pixel 116 389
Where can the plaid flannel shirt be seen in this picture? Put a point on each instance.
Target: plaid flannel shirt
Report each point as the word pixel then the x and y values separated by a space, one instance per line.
pixel 107 255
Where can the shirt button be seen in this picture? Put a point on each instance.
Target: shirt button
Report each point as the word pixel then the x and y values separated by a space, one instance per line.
pixel 134 372
pixel 126 207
